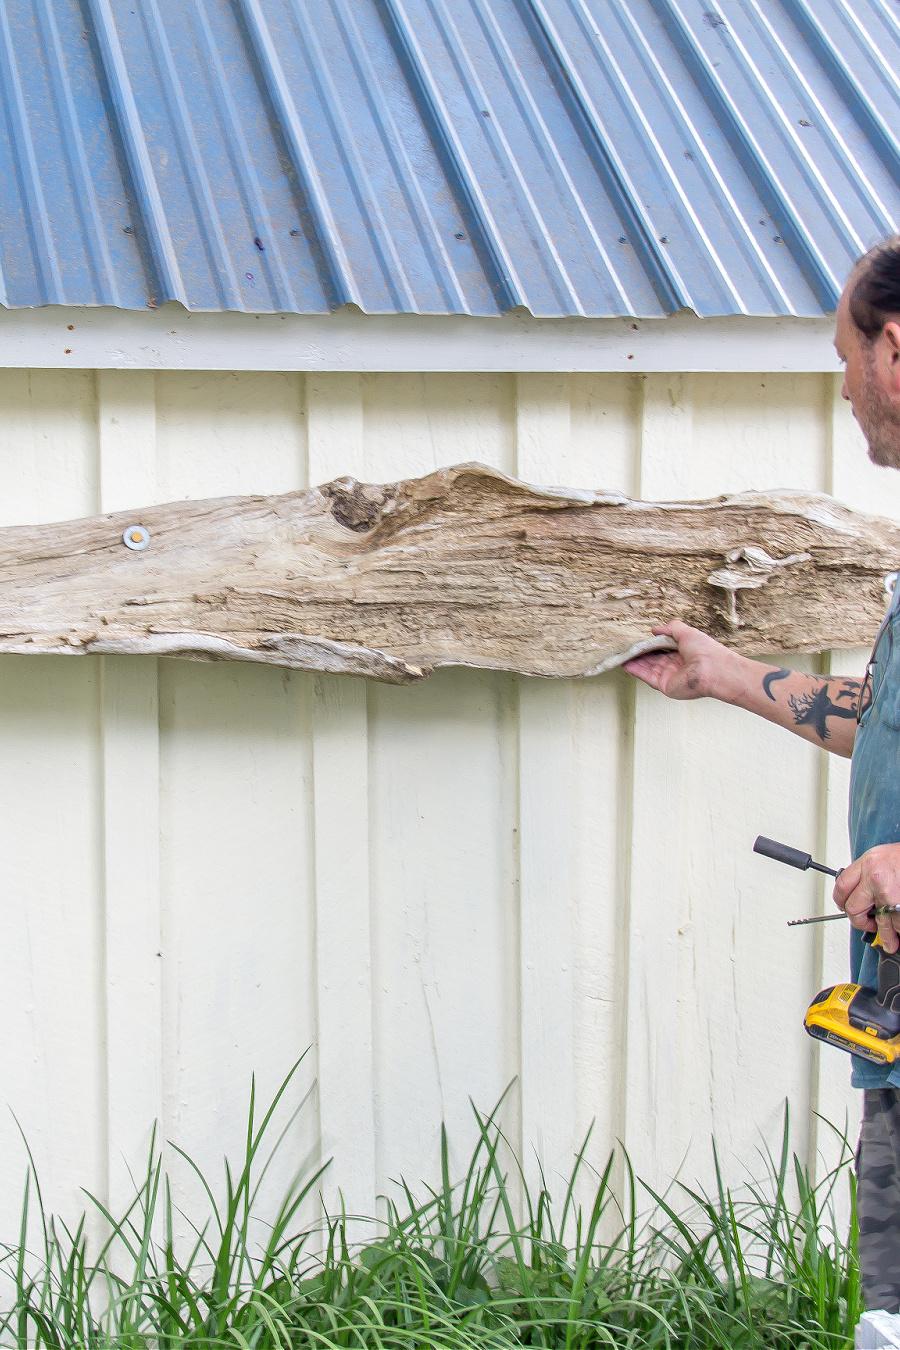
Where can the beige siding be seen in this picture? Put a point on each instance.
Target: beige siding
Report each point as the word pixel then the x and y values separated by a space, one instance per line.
pixel 208 868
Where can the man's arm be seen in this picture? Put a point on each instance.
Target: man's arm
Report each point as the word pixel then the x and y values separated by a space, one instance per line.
pixel 819 709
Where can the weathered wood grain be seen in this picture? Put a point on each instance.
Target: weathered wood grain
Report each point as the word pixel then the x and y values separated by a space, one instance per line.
pixel 462 567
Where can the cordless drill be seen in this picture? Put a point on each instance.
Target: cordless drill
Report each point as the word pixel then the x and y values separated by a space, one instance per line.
pixel 850 1016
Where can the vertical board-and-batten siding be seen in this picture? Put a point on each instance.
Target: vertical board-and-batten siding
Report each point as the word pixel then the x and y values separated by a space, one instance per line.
pixel 207 868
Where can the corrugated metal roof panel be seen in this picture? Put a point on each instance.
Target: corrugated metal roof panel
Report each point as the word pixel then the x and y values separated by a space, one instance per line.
pixel 573 157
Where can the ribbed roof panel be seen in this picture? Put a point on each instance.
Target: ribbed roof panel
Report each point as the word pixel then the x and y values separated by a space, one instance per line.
pixel 572 157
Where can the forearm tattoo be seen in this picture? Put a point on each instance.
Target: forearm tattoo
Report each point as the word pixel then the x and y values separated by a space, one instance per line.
pixel 770 678
pixel 814 709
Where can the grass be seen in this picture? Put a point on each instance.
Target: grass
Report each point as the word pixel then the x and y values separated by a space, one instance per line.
pixel 455 1269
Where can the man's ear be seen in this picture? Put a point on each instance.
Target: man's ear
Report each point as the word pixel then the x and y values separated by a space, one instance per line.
pixel 891 333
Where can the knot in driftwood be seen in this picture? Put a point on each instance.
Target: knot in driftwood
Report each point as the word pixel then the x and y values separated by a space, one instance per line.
pixel 354 505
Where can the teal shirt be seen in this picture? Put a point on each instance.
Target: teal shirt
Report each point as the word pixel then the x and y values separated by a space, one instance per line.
pixel 875 802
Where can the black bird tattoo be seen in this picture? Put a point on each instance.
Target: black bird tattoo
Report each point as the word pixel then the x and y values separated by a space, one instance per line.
pixel 815 709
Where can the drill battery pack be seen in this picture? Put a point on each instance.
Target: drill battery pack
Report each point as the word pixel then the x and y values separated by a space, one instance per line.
pixel 851 1018
pixel 862 1021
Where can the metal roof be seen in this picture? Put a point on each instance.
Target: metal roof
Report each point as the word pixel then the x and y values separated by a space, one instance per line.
pixel 573 157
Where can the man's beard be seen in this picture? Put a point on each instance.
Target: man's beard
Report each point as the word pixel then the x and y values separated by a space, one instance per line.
pixel 879 418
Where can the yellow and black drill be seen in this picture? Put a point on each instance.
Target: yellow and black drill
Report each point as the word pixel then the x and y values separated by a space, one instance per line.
pixel 856 1019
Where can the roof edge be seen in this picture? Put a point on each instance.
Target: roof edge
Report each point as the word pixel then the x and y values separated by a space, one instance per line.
pixel 170 338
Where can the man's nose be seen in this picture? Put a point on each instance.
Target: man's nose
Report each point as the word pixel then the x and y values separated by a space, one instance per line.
pixel 844 393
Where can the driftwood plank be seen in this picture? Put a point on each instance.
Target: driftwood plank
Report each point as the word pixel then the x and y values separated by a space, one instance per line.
pixel 463 567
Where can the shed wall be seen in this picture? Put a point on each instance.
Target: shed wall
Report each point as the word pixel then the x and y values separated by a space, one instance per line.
pixel 207 869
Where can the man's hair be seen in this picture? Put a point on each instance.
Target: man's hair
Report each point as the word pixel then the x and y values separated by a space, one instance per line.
pixel 876 296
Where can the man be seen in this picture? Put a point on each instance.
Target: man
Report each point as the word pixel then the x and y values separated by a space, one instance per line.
pixel 858 718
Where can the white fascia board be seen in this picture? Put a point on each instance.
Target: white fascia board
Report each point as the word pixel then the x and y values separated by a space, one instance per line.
pixel 171 338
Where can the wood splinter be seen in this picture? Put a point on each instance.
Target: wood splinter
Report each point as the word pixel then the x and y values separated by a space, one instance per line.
pixel 462 567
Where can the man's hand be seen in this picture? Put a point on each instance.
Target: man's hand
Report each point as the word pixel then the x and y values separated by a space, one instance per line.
pixel 874 879
pixel 818 708
pixel 699 668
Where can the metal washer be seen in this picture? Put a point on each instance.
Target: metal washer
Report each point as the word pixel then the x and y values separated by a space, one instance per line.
pixel 136 537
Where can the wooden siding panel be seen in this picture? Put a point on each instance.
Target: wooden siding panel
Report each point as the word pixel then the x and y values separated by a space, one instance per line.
pixel 48 445
pixel 51 993
pixel 444 933
pixel 221 432
pixel 236 874
pixel 546 853
pixel 604 434
pixel 340 751
pixel 52 981
pixel 744 977
pixel 652 1121
pixel 745 432
pixel 754 431
pixel 129 811
pixel 416 423
pixel 602 723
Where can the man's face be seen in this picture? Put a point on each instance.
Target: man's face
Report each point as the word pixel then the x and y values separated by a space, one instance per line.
pixel 871 382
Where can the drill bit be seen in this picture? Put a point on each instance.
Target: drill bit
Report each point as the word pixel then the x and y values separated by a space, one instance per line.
pixel 826 918
pixel 817 918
